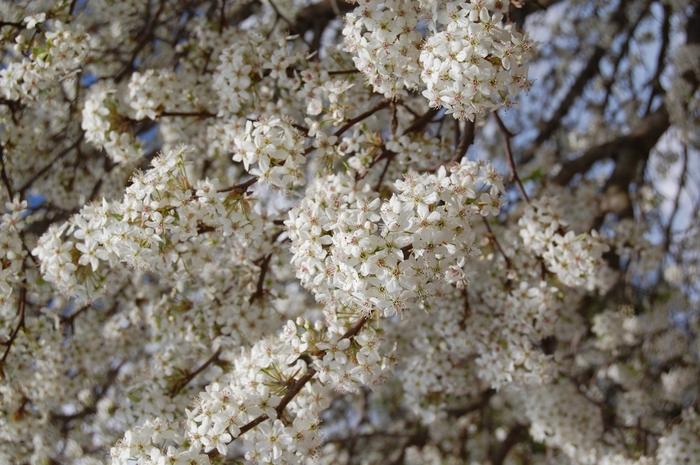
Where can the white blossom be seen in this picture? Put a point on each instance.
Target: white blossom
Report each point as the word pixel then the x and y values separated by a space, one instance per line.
pixel 476 64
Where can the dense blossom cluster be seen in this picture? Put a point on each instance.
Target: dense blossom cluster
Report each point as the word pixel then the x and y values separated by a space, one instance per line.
pixel 576 259
pixel 248 66
pixel 107 126
pixel 155 442
pixel 437 372
pixel 156 226
pixel 258 383
pixel 506 335
pixel 385 42
pixel 349 246
pixel 12 251
pixel 476 64
pixel 162 91
pixel 273 151
pixel 562 417
pixel 59 54
pixel 680 445
pixel 468 60
pixel 308 232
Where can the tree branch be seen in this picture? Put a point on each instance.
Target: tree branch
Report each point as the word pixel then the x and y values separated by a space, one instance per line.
pixel 668 236
pixel 298 385
pixel 180 385
pixel 515 435
pixel 507 136
pixel 3 175
pixel 641 139
pixel 587 73
pixel 21 309
pixel 360 117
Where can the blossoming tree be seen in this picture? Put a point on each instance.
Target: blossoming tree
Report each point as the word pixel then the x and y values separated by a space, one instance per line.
pixel 349 232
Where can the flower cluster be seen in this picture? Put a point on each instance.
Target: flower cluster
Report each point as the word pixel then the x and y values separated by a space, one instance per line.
pixel 506 336
pixel 12 253
pixel 234 76
pixel 272 150
pixel 385 43
pixel 244 65
pixel 60 54
pixel 436 372
pixel 621 459
pixel 562 417
pixel 108 126
pixel 421 152
pixel 156 226
pixel 331 271
pixel 614 329
pixel 477 64
pixel 155 91
pixel 273 380
pixel 332 97
pixel 349 246
pixel 155 442
pixel 680 444
pixel 576 259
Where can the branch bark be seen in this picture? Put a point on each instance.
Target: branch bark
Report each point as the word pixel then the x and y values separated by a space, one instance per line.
pixel 626 149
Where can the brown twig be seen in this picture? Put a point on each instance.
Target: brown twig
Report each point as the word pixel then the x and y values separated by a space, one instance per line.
pixel 492 236
pixel 665 39
pixel 474 406
pixel 193 114
pixel 589 71
pixel 343 71
pixel 21 309
pixel 466 140
pixel 296 386
pixel 515 435
pixel 180 385
pixel 260 285
pixel 507 136
pixel 242 187
pixel 382 175
pixel 11 24
pixel 639 140
pixel 676 202
pixel 112 375
pixel 146 36
pixel 360 117
pixel 421 121
pixel 23 188
pixel 3 174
